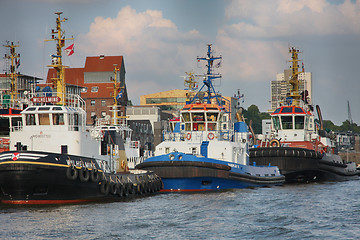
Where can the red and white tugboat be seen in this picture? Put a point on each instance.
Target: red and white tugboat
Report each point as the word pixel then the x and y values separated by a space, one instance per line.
pixel 297 144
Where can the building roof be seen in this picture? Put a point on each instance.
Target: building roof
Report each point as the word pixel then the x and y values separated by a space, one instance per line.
pixel 102 63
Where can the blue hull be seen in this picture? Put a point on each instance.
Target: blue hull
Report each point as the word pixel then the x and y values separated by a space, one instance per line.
pixel 187 173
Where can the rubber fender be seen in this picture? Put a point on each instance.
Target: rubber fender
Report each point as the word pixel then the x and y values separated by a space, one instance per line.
pixel 84 175
pixel 71 173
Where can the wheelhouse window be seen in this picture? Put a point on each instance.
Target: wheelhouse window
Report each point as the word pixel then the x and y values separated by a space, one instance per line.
pixel 185 117
pixel 58 118
pixel 286 122
pixel 44 119
pixel 198 117
pixel 276 122
pixel 211 117
pixel 299 122
pixel 30 119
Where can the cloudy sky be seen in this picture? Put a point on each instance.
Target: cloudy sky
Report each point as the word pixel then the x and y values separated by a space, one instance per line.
pixel 160 40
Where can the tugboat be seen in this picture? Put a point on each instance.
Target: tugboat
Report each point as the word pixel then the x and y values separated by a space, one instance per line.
pixel 297 144
pixel 54 157
pixel 205 152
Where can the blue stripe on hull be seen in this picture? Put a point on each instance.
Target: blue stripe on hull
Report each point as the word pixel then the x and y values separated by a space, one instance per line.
pixel 202 184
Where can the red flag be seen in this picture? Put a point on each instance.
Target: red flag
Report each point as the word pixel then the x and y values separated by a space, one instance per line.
pixel 69 50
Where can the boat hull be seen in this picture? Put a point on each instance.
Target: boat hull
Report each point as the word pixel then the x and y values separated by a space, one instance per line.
pixel 193 173
pixel 304 165
pixel 48 178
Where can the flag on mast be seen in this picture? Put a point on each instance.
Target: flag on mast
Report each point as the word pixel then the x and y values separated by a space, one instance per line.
pixel 69 50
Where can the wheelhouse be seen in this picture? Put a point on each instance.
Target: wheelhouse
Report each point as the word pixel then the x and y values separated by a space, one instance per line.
pixel 200 117
pixel 292 118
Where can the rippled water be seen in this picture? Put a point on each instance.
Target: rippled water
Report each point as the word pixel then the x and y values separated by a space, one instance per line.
pixel 309 211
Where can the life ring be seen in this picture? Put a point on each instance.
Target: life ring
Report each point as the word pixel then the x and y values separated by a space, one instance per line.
pixel 136 144
pixel 211 136
pixel 71 173
pixel 274 143
pixel 188 136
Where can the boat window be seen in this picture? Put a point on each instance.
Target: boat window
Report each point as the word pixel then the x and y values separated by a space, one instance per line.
pixel 286 122
pixel 198 117
pixel 31 109
pixel 30 119
pixel 276 122
pixel 187 126
pixel 57 108
pixel 201 126
pixel 197 108
pixel 16 121
pixel 58 118
pixel 277 110
pixel 4 126
pixel 299 122
pixel 306 123
pixel 211 126
pixel 212 108
pixel 44 119
pixel 287 110
pixel 211 117
pixel 186 117
pixel 76 119
pixel 44 108
pixel 299 110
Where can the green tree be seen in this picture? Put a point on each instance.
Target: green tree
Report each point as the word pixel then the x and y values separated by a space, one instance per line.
pixel 253 113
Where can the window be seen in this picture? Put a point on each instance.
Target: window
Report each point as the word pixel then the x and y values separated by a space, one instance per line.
pixel 103 103
pixel 94 89
pixel 276 123
pixel 103 113
pixel 92 102
pixel 44 119
pixel 186 117
pixel 299 122
pixel 84 89
pixel 30 119
pixel 58 118
pixel 286 122
pixel 92 114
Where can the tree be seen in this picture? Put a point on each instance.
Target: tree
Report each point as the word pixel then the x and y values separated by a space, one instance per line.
pixel 253 113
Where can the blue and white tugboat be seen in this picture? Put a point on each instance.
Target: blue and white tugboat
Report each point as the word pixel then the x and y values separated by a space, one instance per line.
pixel 55 158
pixel 206 151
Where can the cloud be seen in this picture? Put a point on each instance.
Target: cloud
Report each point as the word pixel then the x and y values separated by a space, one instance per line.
pixel 154 49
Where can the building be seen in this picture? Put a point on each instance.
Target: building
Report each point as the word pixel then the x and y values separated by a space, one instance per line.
pixel 281 87
pixel 154 115
pixel 95 84
pixel 24 83
pixel 174 100
pixel 169 100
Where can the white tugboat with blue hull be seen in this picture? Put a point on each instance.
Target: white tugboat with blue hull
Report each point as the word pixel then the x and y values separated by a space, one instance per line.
pixel 204 152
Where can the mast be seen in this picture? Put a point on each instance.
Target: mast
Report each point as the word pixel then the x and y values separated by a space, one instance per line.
pixel 14 64
pixel 116 95
pixel 59 37
pixel 209 76
pixel 294 79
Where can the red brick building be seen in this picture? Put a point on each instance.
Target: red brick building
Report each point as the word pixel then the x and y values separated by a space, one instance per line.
pixel 95 85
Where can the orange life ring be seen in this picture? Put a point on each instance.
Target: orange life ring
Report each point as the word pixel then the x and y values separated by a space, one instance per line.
pixel 211 136
pixel 274 143
pixel 188 136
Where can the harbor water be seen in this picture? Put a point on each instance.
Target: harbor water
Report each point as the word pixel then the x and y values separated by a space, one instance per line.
pixel 300 211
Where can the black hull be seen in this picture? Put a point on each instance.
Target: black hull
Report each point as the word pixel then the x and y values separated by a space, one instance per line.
pixel 50 180
pixel 303 165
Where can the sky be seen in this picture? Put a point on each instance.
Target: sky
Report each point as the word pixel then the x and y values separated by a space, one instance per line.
pixel 160 40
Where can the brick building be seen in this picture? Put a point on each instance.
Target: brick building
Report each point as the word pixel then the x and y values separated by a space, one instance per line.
pixel 94 84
